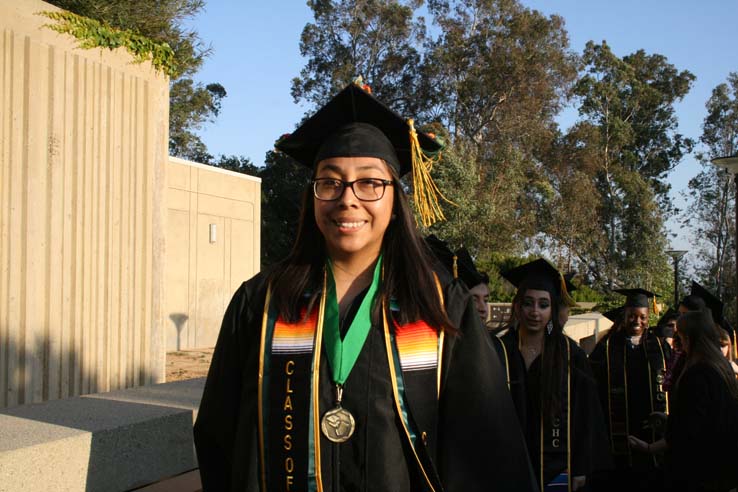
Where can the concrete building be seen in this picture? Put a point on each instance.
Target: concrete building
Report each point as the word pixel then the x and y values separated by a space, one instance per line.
pixel 92 210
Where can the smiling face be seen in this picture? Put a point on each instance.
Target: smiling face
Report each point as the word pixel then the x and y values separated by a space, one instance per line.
pixel 534 311
pixel 353 229
pixel 636 321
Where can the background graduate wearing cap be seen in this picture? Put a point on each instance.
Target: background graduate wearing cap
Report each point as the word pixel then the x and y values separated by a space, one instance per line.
pixel 551 383
pixel 339 369
pixel 717 308
pixel 701 441
pixel 476 281
pixel 629 364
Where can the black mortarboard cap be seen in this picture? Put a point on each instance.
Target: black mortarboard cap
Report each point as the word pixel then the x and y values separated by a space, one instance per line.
pixel 356 124
pixel 570 287
pixel 467 271
pixel 614 315
pixel 441 251
pixel 637 297
pixel 541 275
pixel 711 301
pixel 662 329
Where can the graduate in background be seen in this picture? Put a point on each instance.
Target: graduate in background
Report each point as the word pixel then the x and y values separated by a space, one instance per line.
pixel 476 281
pixel 701 441
pixel 551 382
pixel 675 363
pixel 727 349
pixel 666 327
pixel 342 368
pixel 629 364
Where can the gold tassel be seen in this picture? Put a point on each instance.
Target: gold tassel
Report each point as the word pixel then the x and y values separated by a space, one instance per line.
pixel 656 309
pixel 565 297
pixel 456 267
pixel 425 191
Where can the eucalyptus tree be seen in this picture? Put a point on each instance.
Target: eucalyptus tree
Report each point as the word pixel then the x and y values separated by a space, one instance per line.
pixel 711 213
pixel 627 143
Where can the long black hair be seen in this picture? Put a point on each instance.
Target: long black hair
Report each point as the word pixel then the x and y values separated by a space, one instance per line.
pixel 408 275
pixel 553 357
pixel 703 345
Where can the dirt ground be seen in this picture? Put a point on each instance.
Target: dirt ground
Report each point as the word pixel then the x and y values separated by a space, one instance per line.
pixel 188 364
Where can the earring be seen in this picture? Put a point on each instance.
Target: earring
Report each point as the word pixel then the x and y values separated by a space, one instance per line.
pixel 549 327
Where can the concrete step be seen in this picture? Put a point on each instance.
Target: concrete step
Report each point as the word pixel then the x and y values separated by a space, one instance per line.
pixel 104 442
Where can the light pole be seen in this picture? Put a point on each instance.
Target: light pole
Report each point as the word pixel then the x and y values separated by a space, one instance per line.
pixel 731 164
pixel 676 255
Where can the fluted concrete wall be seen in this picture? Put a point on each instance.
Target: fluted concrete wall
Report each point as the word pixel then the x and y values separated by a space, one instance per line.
pixel 203 271
pixel 83 149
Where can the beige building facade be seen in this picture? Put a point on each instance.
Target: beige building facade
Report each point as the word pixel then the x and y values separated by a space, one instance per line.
pixel 87 303
pixel 212 236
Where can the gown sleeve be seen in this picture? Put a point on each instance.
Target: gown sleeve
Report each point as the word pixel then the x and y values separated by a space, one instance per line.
pixel 481 445
pixel 598 365
pixel 590 443
pixel 225 428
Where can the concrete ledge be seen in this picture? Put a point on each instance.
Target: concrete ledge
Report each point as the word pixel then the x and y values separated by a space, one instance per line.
pixel 113 441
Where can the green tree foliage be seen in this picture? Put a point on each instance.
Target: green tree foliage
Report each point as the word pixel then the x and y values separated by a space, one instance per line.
pixel 283 185
pixel 625 144
pixel 499 73
pixel 377 39
pixel 711 213
pixel 192 104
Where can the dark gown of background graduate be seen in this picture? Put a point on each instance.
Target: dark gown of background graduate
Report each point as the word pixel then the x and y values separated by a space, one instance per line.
pixel 702 433
pixel 590 448
pixel 477 443
pixel 630 384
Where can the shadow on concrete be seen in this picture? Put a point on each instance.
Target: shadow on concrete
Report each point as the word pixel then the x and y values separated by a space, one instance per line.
pixel 179 320
pixel 136 436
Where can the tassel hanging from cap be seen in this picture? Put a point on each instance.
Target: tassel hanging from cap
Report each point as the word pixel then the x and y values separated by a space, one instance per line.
pixel 456 267
pixel 565 297
pixel 655 306
pixel 425 191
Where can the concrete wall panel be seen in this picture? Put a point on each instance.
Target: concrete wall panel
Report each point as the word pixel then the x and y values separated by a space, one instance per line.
pixel 206 270
pixel 83 149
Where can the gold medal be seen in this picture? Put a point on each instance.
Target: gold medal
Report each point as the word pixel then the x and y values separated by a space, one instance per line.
pixel 338 424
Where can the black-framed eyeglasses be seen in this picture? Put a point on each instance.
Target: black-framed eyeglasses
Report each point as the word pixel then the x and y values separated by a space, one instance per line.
pixel 365 189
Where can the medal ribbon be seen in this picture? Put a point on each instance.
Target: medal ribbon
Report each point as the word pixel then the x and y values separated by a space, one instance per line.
pixel 342 354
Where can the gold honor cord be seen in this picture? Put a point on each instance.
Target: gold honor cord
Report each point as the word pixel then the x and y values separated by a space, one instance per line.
pixel 650 390
pixel 260 393
pixel 507 362
pixel 316 383
pixel 396 393
pixel 663 366
pixel 440 338
pixel 609 393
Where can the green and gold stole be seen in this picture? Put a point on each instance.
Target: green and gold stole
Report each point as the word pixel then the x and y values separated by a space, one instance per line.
pixel 289 436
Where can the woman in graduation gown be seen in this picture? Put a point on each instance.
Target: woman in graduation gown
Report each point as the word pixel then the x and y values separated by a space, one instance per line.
pixel 701 441
pixel 552 384
pixel 349 366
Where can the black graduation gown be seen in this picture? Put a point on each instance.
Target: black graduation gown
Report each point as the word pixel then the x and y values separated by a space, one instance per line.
pixel 702 433
pixel 641 398
pixel 589 447
pixel 475 413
